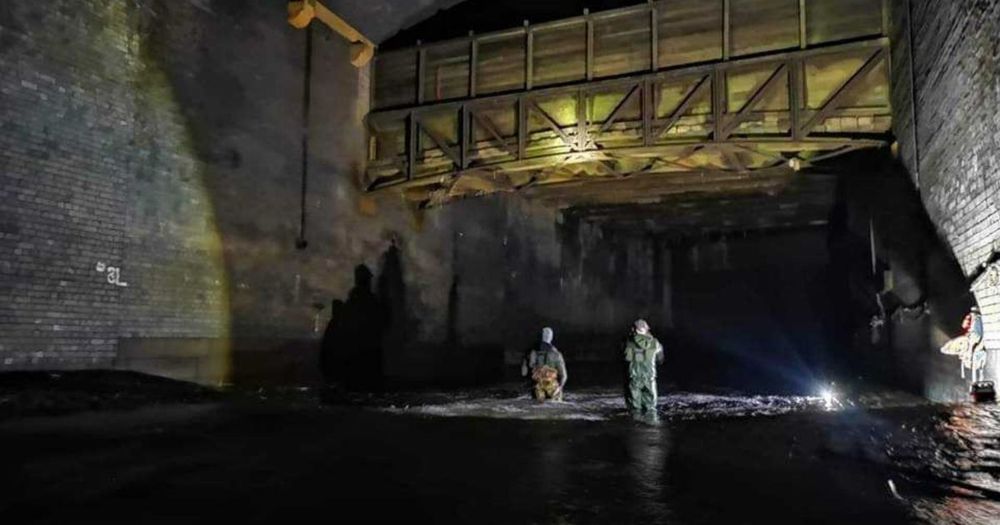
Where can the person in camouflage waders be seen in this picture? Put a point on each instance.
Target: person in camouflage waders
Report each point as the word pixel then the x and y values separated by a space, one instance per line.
pixel 548 370
pixel 642 353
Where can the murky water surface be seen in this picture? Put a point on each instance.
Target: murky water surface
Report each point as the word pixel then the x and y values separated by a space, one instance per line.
pixel 950 464
pixel 606 405
pixel 499 457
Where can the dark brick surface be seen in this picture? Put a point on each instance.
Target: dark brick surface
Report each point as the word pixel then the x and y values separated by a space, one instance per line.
pixel 163 137
pixel 956 65
pixel 160 138
pixel 62 184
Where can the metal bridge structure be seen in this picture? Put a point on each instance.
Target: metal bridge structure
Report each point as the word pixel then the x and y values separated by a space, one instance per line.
pixel 633 104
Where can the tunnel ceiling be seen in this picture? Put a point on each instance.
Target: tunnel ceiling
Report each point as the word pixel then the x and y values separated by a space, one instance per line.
pixel 651 106
pixel 457 18
pixel 802 201
pixel 380 19
pixel 399 23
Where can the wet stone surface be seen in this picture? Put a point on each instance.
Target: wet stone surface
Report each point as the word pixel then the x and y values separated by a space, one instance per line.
pixel 497 457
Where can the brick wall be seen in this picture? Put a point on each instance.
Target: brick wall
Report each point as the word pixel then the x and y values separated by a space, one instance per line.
pixel 103 173
pixel 161 138
pixel 63 183
pixel 957 86
pixel 956 159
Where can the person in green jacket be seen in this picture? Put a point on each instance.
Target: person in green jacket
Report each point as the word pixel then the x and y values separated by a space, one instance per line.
pixel 642 353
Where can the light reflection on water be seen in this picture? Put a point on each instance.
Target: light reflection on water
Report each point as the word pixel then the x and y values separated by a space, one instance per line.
pixel 601 405
pixel 648 448
pixel 497 457
pixel 953 466
pixel 942 461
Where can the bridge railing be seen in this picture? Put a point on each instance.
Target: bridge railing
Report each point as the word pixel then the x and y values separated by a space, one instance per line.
pixel 649 37
pixel 634 90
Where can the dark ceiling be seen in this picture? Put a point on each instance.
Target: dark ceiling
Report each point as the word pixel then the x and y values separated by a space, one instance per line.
pixel 380 19
pixel 483 16
pixel 395 23
pixel 801 201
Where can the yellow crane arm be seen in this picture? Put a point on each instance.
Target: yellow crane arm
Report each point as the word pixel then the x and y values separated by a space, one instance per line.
pixel 302 12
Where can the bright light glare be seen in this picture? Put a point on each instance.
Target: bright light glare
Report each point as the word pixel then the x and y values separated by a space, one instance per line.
pixel 828 396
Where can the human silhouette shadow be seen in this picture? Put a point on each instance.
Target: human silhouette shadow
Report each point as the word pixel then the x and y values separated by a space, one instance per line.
pixel 351 353
pixel 392 298
pixel 333 360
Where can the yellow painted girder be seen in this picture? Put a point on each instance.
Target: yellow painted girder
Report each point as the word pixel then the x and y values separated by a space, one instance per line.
pixel 301 13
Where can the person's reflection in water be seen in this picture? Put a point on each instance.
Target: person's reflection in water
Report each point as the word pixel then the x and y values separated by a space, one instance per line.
pixel 552 472
pixel 648 447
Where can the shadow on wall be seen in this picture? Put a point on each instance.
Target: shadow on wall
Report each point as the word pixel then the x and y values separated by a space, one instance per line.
pixel 915 296
pixel 352 343
pixel 218 291
pixel 230 141
pixel 364 326
pixel 870 300
pixel 370 341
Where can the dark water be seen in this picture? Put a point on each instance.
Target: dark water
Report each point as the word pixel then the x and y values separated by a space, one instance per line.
pixel 490 458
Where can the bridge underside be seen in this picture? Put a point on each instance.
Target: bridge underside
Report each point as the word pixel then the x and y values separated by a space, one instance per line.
pixel 615 127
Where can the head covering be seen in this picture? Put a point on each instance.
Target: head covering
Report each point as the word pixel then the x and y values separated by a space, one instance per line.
pixel 641 326
pixel 975 309
pixel 547 335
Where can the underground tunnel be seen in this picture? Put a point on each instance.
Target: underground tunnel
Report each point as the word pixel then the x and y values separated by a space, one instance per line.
pixel 454 261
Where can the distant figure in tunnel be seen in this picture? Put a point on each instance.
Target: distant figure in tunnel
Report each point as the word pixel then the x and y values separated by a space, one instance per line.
pixel 642 353
pixel 968 346
pixel 547 367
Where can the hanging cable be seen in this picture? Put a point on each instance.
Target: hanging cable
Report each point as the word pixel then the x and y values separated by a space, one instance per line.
pixel 301 243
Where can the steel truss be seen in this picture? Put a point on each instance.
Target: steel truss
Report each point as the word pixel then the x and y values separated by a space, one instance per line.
pixel 554 134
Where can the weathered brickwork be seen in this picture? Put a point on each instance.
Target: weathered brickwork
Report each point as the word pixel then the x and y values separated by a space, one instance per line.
pixel 956 83
pixel 102 170
pixel 62 172
pixel 160 141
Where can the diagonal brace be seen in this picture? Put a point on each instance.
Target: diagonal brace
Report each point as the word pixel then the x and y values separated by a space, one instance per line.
pixel 491 128
pixel 615 113
pixel 553 125
pixel 843 94
pixel 683 107
pixel 762 91
pixel 441 143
